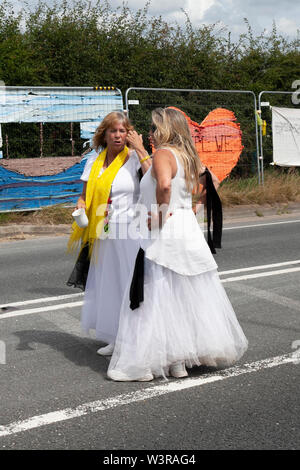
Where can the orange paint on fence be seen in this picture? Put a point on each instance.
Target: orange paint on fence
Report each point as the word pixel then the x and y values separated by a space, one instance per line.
pixel 218 140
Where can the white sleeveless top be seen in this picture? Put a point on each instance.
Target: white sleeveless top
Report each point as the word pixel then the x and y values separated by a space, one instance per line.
pixel 180 244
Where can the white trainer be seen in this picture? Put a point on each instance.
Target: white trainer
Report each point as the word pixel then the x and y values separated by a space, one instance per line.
pixel 107 350
pixel 178 370
pixel 119 376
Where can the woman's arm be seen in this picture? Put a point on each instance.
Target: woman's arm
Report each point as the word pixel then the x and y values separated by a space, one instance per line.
pixel 135 141
pixel 200 198
pixel 164 168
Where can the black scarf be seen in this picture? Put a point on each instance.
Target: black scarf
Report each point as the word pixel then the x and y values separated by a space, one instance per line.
pixel 214 212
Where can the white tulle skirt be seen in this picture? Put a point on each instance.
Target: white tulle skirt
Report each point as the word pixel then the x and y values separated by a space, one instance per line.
pixel 111 266
pixel 182 318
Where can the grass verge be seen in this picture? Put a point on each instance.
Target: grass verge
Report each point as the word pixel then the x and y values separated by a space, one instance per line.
pixel 53 215
pixel 279 187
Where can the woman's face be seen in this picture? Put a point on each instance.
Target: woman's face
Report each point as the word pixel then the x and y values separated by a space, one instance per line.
pixel 115 136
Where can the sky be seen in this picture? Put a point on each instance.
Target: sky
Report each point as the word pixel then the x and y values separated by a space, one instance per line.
pixel 228 13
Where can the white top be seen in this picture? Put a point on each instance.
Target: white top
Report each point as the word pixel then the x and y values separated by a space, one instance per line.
pixel 180 244
pixel 125 189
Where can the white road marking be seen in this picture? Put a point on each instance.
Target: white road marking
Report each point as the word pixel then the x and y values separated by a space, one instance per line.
pixel 145 394
pixel 80 294
pixel 257 275
pixel 80 303
pixel 262 225
pixel 263 266
pixel 41 300
pixel 50 308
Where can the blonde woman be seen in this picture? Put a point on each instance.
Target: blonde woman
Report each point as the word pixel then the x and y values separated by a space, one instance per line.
pixel 185 318
pixel 110 192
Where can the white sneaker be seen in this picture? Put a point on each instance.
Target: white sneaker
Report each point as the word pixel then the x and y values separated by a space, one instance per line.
pixel 119 376
pixel 107 350
pixel 178 370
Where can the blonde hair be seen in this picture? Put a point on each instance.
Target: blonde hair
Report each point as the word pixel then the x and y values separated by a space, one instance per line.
pixel 109 120
pixel 172 130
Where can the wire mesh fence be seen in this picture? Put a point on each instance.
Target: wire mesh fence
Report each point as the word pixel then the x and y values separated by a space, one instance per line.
pixel 199 106
pixel 38 124
pixel 267 99
pixel 54 121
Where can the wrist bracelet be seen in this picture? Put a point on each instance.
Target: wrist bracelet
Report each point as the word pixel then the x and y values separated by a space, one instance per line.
pixel 144 159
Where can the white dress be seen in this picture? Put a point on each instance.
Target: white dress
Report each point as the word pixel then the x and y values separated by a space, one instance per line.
pixel 186 314
pixel 113 258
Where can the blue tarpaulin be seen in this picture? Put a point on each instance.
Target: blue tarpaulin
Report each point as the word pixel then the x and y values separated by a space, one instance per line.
pixel 37 104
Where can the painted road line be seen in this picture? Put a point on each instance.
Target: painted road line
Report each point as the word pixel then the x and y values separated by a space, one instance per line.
pixel 257 275
pixel 80 294
pixel 18 313
pixel 263 266
pixel 141 395
pixel 41 300
pixel 49 308
pixel 262 225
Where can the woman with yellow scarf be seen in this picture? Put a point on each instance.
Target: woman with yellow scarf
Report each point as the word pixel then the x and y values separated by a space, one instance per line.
pixel 110 193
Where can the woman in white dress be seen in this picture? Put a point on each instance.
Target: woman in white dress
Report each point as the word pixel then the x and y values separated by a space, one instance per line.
pixel 185 318
pixel 113 251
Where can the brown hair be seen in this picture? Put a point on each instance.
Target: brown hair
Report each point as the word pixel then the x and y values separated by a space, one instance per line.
pixel 172 130
pixel 109 121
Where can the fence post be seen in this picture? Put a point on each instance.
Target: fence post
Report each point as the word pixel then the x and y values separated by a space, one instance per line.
pixel 41 139
pixel 72 141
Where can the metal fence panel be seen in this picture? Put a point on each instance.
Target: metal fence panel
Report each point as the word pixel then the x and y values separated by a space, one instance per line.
pixel 47 122
pixel 197 104
pixel 267 99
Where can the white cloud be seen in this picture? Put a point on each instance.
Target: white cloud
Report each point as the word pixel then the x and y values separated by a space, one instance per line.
pixel 230 13
pixel 286 25
pixel 170 8
pixel 260 13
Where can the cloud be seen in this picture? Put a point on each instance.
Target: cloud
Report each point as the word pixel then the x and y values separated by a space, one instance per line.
pixel 157 7
pixel 260 14
pixel 230 13
pixel 170 8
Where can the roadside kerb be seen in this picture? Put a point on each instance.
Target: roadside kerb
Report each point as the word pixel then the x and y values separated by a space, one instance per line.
pixel 231 214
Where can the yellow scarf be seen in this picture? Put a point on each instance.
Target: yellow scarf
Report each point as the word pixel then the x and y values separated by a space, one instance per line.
pixel 97 194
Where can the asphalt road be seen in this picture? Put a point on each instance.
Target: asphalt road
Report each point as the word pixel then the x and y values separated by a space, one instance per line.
pixel 54 390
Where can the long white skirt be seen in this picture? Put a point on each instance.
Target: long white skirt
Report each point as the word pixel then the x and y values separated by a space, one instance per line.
pixel 182 318
pixel 110 269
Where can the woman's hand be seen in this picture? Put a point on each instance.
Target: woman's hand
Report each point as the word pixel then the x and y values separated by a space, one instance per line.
pixel 135 140
pixel 80 203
